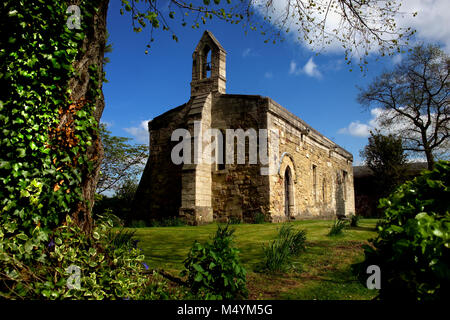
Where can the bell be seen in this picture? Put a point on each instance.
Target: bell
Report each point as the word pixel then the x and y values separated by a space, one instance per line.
pixel 208 67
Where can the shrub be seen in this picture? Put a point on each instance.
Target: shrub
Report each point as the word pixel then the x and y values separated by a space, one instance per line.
pixel 121 238
pixel 109 266
pixel 277 256
pixel 235 220
pixel 138 224
pixel 173 222
pixel 159 289
pixel 354 220
pixel 413 244
pixel 214 270
pixel 288 242
pixel 167 222
pixel 337 227
pixel 258 218
pixel 109 215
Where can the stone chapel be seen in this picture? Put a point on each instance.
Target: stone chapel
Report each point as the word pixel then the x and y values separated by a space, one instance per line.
pixel 300 174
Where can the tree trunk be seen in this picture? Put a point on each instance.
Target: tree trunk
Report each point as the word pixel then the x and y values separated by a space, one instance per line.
pixel 430 158
pixel 427 149
pixel 92 53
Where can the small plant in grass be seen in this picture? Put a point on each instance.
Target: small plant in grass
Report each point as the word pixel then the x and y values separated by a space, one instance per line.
pixel 289 242
pixel 138 224
pixel 121 238
pixel 168 222
pixel 235 220
pixel 337 227
pixel 354 220
pixel 258 218
pixel 172 222
pixel 214 270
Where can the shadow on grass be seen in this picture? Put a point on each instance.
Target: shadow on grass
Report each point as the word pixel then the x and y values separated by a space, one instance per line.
pixel 335 285
pixel 361 229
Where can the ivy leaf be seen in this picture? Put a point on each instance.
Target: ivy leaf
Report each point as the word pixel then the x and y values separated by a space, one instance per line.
pixel 198 277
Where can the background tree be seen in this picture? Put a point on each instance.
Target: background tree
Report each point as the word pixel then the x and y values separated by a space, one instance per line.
pixel 414 101
pixel 121 162
pixel 385 156
pixel 120 204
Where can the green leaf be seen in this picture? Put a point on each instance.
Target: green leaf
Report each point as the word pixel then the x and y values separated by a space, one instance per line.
pixel 198 277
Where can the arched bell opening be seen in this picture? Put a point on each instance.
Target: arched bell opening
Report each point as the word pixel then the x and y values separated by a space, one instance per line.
pixel 206 63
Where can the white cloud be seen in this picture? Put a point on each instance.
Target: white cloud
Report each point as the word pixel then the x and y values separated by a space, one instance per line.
pixel 431 21
pixel 397 59
pixel 268 75
pixel 401 126
pixel 293 68
pixel 362 130
pixel 356 129
pixel 310 69
pixel 246 52
pixel 140 133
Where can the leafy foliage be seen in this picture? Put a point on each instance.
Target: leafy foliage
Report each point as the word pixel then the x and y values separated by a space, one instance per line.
pixel 354 220
pixel 119 204
pixel 358 26
pixel 235 220
pixel 385 156
pixel 138 224
pixel 43 163
pixel 111 267
pixel 288 243
pixel 413 245
pixel 259 218
pixel 214 270
pixel 44 139
pixel 337 227
pixel 168 222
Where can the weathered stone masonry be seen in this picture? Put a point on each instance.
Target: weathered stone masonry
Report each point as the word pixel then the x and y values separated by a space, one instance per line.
pixel 312 176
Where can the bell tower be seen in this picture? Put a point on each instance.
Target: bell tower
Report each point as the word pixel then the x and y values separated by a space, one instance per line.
pixel 208 66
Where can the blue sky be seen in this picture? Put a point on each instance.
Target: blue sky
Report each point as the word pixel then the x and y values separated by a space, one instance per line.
pixel 320 89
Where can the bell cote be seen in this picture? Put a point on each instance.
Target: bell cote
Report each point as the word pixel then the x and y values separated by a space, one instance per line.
pixel 208 66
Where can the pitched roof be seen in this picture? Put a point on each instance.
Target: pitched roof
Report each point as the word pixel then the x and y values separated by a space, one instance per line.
pixel 413 168
pixel 208 35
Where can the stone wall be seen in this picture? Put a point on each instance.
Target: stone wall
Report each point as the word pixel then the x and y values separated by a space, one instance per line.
pixel 159 191
pixel 239 190
pixel 318 167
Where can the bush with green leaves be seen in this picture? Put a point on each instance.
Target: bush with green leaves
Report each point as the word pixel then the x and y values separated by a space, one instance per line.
pixel 138 224
pixel 412 248
pixel 354 220
pixel 288 242
pixel 110 267
pixel 167 222
pixel 259 218
pixel 235 220
pixel 214 270
pixel 337 227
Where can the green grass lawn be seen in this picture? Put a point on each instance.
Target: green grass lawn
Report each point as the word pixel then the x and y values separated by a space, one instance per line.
pixel 321 272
